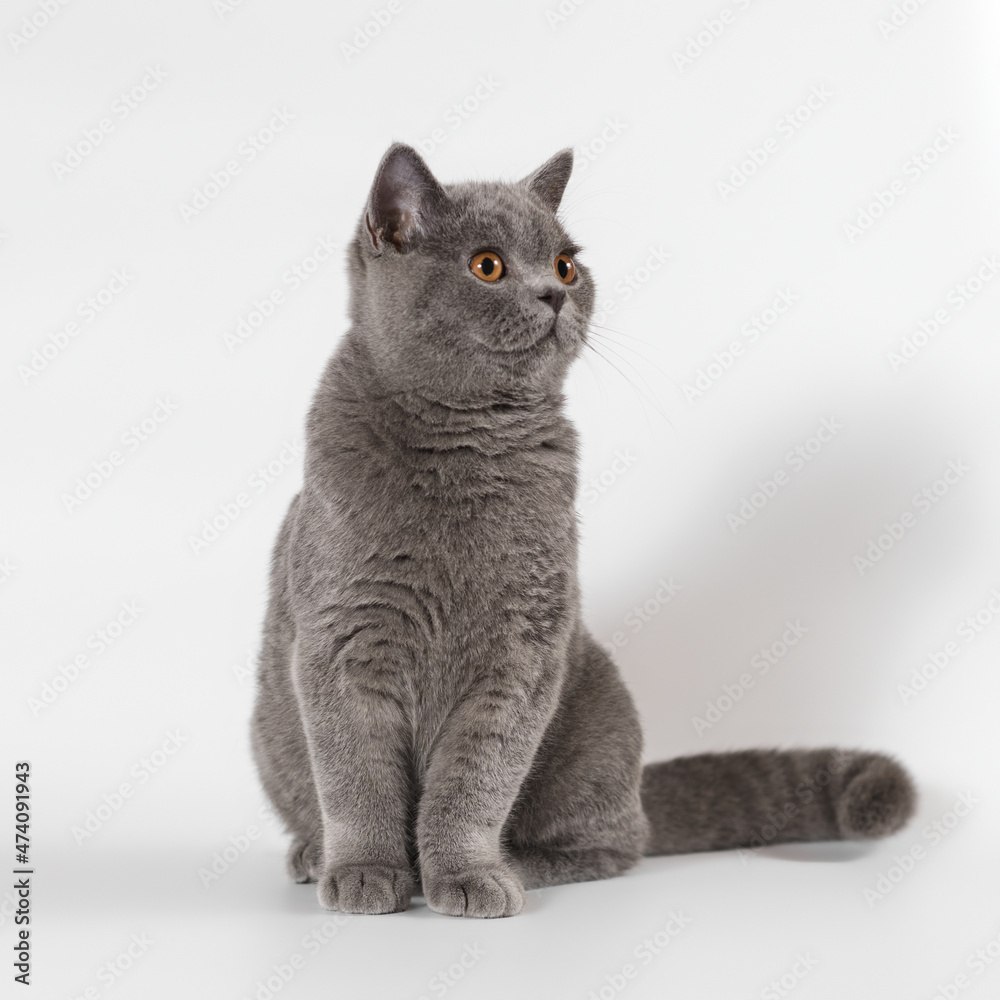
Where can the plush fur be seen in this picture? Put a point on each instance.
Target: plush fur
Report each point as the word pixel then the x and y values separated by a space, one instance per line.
pixel 432 713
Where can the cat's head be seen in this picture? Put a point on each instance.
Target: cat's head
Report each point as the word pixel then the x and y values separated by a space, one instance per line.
pixel 465 291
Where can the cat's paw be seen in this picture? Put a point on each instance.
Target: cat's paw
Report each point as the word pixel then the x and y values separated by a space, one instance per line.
pixel 304 861
pixel 485 891
pixel 358 888
pixel 877 801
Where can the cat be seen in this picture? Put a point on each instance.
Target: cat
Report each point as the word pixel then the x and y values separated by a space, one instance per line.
pixel 432 715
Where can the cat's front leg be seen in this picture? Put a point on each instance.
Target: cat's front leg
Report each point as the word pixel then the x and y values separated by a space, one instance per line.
pixel 480 759
pixel 356 731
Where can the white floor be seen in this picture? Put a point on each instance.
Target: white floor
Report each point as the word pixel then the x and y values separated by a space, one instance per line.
pixel 791 919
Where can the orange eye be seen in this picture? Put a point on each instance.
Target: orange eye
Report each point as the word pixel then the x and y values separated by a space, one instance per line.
pixel 565 268
pixel 486 265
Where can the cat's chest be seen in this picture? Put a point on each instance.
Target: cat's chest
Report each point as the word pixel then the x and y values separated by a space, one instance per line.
pixel 480 538
pixel 455 500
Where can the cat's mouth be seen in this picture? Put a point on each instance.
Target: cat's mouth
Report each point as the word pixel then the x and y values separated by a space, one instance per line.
pixel 544 339
pixel 549 335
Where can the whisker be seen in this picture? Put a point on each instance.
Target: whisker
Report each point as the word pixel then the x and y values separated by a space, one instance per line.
pixel 597 380
pixel 620 333
pixel 605 339
pixel 649 388
pixel 639 394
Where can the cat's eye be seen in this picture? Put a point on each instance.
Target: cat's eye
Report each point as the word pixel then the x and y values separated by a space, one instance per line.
pixel 565 268
pixel 486 265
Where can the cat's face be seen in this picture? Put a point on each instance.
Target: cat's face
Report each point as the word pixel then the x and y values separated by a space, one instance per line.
pixel 466 291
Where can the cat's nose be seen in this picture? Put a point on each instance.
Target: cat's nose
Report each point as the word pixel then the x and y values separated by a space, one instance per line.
pixel 554 297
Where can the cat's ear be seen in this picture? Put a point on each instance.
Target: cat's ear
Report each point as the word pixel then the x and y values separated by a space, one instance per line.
pixel 403 195
pixel 550 179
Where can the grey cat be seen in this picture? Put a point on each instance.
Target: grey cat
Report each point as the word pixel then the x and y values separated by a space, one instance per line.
pixel 432 715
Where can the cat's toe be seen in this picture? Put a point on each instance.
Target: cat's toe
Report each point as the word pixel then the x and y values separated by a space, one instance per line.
pixel 877 801
pixel 488 891
pixel 353 888
pixel 304 860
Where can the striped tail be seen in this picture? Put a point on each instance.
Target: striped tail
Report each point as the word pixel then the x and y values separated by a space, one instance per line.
pixel 753 798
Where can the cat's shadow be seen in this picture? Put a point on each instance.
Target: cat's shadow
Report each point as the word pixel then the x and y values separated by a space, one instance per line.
pixel 794 561
pixel 815 852
pixel 173 880
pixel 826 852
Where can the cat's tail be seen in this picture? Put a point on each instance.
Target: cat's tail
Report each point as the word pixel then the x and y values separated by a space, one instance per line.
pixel 753 798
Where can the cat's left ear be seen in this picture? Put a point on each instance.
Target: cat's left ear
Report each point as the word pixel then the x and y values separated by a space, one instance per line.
pixel 403 195
pixel 550 179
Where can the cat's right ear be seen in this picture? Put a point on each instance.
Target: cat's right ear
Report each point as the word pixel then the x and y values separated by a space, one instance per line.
pixel 403 195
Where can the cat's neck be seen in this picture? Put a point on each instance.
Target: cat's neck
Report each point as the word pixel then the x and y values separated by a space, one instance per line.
pixel 416 418
pixel 490 426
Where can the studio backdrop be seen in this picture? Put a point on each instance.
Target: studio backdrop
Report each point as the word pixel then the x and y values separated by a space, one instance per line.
pixel 788 418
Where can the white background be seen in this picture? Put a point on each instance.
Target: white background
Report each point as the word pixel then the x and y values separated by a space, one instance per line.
pixel 648 182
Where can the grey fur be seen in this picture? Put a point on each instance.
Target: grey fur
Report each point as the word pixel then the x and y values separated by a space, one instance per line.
pixel 432 713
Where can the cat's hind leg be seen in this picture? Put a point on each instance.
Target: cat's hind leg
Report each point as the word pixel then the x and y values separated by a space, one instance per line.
pixel 277 736
pixel 543 866
pixel 578 816
pixel 304 861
